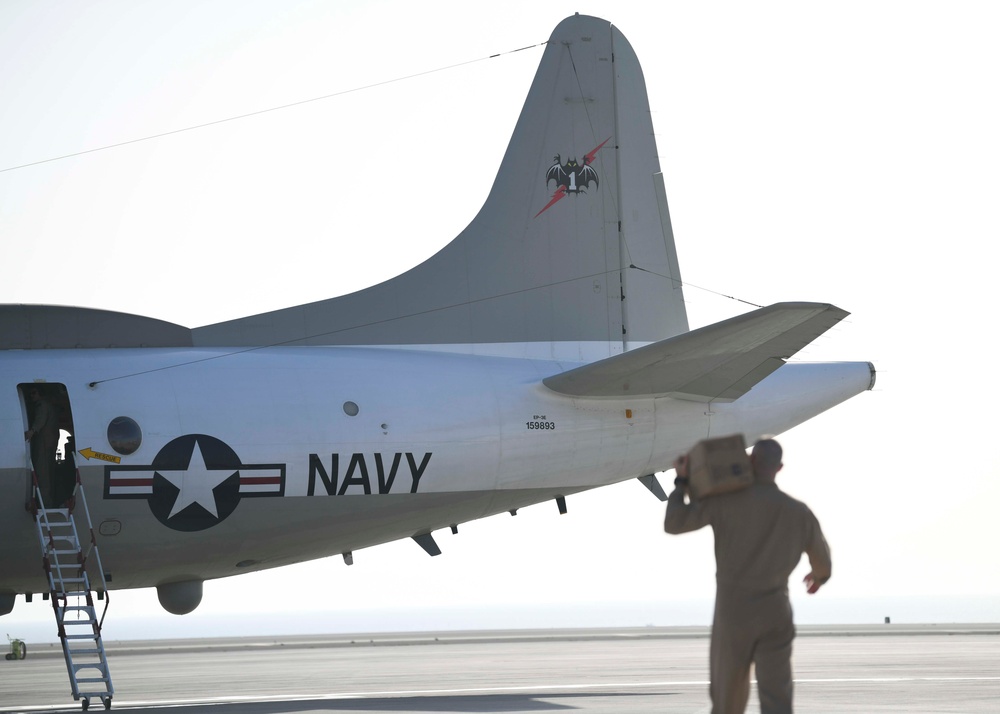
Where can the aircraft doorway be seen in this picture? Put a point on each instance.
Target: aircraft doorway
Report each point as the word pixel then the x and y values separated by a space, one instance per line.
pixel 52 448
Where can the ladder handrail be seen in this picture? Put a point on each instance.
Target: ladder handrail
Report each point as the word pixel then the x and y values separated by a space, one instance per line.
pixel 92 546
pixel 70 586
pixel 78 490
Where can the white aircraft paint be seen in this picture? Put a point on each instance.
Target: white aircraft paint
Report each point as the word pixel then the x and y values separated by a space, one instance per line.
pixel 464 388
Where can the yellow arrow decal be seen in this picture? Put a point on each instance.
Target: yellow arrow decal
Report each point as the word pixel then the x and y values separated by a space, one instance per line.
pixel 89 454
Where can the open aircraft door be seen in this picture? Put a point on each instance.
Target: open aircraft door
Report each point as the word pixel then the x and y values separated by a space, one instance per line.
pixel 45 408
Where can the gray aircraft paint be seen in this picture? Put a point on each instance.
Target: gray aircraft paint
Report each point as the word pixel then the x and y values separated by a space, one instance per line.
pixel 498 281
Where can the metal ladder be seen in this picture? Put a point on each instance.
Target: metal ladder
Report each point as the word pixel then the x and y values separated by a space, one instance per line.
pixel 65 561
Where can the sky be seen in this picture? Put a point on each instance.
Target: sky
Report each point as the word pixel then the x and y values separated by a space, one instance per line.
pixel 843 153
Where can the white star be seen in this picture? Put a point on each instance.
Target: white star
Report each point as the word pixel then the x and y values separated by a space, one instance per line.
pixel 196 484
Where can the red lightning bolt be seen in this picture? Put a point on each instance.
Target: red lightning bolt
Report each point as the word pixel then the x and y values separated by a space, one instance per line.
pixel 590 157
pixel 561 191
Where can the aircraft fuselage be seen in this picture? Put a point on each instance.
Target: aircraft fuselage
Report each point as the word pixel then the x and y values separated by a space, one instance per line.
pixel 272 456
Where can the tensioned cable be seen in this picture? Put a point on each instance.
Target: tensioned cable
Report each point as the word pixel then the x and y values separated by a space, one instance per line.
pixel 614 197
pixel 586 110
pixel 271 109
pixel 346 329
pixel 353 327
pixel 684 284
pixel 404 317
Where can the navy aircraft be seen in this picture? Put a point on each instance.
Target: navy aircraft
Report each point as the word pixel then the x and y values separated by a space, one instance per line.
pixel 545 351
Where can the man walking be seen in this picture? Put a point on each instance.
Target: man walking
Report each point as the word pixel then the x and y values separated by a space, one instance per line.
pixel 760 536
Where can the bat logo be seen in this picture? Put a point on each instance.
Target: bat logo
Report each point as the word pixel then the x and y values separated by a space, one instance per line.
pixel 571 177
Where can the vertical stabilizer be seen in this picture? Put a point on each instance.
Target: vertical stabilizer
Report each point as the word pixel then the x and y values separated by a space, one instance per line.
pixel 572 254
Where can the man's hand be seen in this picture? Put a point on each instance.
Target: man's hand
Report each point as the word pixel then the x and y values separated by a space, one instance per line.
pixel 812 584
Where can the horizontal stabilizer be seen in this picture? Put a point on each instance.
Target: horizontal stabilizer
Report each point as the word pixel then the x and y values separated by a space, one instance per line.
pixel 720 362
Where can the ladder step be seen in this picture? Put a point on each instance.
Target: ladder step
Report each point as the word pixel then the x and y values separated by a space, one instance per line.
pixel 65 559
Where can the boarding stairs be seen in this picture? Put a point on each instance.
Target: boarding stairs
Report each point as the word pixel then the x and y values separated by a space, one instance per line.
pixel 67 561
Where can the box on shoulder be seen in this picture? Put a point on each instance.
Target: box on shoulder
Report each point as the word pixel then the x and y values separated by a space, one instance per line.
pixel 719 465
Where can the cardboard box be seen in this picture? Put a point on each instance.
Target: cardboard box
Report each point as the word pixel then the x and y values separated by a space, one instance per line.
pixel 719 465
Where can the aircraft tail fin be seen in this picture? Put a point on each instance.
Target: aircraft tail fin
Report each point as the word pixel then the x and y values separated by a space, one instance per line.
pixel 572 254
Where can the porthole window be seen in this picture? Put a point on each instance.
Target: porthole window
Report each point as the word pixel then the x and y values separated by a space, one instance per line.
pixel 351 409
pixel 124 435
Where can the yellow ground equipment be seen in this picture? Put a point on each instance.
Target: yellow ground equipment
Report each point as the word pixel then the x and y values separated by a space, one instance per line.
pixel 18 650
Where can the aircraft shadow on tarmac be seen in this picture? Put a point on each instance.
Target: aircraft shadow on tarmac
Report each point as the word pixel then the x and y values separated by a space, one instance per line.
pixel 468 703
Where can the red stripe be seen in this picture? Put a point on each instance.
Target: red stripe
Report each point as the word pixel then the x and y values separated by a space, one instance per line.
pixel 260 480
pixel 118 481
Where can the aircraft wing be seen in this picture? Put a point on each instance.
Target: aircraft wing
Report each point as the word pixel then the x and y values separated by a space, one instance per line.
pixel 720 362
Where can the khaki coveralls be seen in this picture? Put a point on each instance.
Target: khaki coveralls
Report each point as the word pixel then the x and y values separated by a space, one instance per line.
pixel 760 535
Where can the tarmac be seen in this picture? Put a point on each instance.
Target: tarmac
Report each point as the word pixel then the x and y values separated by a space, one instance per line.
pixel 890 668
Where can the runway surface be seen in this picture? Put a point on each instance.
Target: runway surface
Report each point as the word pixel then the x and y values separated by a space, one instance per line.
pixel 889 668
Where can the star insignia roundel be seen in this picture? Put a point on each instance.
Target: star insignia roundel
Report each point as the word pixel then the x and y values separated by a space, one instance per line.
pixel 194 482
